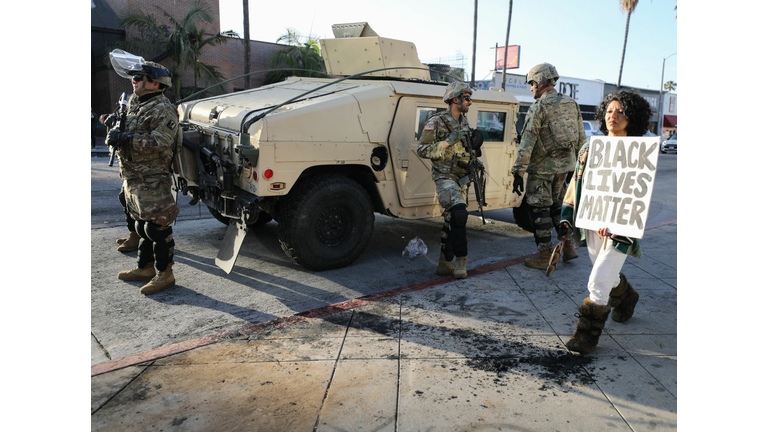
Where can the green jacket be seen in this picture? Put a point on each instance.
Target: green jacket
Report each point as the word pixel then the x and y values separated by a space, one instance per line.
pixel 626 245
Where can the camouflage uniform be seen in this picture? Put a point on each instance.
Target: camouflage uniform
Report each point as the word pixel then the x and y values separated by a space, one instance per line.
pixel 145 168
pixel 446 173
pixel 547 162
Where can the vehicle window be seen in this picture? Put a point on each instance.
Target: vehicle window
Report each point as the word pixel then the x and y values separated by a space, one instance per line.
pixel 422 115
pixel 673 137
pixel 587 126
pixel 491 124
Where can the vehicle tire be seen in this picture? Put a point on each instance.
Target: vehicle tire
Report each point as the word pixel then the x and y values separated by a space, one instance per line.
pixel 261 220
pixel 523 216
pixel 326 222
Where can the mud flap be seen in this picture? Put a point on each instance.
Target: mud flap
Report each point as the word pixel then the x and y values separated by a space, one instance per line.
pixel 230 248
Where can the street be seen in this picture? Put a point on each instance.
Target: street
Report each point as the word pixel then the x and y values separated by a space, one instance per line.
pixel 264 283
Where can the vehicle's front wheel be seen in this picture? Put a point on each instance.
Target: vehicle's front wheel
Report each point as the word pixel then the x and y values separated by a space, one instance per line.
pixel 326 222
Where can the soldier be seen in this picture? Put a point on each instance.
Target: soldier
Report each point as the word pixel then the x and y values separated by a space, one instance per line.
pixel 442 141
pixel 145 149
pixel 552 133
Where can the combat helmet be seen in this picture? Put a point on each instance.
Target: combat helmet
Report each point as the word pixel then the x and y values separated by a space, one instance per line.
pixel 456 89
pixel 155 72
pixel 542 73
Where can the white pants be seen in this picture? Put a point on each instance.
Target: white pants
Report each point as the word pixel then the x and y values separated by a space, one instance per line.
pixel 606 265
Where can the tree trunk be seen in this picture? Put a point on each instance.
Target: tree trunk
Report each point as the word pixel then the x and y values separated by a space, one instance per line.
pixel 247 41
pixel 624 50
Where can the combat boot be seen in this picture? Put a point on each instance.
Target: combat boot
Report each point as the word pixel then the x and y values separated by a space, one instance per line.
pixel 569 252
pixel 162 281
pixel 542 262
pixel 444 267
pixel 592 319
pixel 128 244
pixel 460 272
pixel 139 273
pixel 623 300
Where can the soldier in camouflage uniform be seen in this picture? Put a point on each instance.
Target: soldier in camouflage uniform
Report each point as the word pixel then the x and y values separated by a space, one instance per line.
pixel 442 141
pixel 552 133
pixel 145 149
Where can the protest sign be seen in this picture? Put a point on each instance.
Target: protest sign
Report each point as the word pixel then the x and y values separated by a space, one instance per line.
pixel 617 184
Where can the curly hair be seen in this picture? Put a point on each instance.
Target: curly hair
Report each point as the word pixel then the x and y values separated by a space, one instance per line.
pixel 636 109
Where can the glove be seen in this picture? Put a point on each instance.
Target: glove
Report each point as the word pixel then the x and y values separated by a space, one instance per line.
pixel 563 229
pixel 115 138
pixel 454 137
pixel 517 185
pixel 109 121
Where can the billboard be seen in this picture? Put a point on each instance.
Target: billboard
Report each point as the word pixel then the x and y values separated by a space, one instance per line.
pixel 513 57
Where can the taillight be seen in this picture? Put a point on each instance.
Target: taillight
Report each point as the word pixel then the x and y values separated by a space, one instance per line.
pixel 268 174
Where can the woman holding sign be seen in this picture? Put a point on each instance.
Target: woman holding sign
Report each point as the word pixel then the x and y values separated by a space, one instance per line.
pixel 622 113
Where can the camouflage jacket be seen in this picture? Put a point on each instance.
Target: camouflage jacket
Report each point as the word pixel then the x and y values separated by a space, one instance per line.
pixel 539 152
pixel 444 160
pixel 145 161
pixel 154 124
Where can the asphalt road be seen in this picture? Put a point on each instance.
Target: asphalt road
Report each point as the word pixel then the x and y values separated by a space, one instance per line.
pixel 264 283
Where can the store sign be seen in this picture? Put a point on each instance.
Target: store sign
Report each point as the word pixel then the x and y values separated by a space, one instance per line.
pixel 617 184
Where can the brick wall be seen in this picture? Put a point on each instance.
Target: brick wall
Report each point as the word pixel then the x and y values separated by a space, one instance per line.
pixel 106 85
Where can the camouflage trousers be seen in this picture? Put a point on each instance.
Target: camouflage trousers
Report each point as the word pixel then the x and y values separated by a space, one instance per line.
pixel 545 193
pixel 151 200
pixel 452 240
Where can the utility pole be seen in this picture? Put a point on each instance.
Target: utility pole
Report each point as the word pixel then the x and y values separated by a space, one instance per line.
pixel 506 50
pixel 474 48
pixel 247 41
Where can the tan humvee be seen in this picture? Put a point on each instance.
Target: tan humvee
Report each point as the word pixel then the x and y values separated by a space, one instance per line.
pixel 321 155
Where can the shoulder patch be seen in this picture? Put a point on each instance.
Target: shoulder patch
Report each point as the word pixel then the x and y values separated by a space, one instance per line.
pixel 429 127
pixel 171 124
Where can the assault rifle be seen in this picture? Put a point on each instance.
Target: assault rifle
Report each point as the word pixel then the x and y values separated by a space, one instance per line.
pixel 475 168
pixel 122 110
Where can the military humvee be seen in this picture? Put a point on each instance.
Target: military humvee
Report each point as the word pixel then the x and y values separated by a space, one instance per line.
pixel 320 156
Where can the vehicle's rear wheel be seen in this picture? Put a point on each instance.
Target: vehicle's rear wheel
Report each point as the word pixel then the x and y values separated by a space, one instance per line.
pixel 326 222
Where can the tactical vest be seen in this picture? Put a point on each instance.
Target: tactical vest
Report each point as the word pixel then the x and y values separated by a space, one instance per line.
pixel 564 123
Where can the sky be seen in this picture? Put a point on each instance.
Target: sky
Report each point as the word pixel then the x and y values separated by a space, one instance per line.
pixel 583 39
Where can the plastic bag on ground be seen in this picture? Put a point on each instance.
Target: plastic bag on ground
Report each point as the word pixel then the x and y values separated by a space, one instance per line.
pixel 415 248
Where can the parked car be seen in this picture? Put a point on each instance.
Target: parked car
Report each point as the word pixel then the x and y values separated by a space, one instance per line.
pixel 670 144
pixel 590 129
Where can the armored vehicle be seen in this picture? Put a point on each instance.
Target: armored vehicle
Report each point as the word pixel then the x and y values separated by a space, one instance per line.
pixel 320 156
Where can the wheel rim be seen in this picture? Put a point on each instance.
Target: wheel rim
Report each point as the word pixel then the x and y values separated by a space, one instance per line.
pixel 334 225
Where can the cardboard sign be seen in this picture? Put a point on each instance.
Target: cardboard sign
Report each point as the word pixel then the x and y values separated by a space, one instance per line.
pixel 617 184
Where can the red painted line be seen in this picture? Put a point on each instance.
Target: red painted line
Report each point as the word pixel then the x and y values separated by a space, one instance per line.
pixel 176 348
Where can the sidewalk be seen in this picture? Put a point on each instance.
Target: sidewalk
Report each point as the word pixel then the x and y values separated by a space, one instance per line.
pixel 484 353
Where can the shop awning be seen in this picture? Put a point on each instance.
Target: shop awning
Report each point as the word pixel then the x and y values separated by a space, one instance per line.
pixel 670 121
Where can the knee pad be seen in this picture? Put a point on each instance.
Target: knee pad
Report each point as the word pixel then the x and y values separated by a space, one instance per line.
pixel 542 218
pixel 459 216
pixel 157 233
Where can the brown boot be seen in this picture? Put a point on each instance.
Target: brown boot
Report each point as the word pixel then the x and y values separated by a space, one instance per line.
pixel 128 244
pixel 569 252
pixel 444 267
pixel 542 262
pixel 623 300
pixel 162 281
pixel 460 272
pixel 592 319
pixel 138 274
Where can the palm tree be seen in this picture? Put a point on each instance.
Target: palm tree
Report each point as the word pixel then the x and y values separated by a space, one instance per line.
pixel 629 7
pixel 182 41
pixel 302 54
pixel 670 86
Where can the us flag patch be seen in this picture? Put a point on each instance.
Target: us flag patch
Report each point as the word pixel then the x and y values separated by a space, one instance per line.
pixel 429 127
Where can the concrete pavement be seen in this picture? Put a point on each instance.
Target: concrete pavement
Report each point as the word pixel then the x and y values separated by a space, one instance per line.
pixel 484 353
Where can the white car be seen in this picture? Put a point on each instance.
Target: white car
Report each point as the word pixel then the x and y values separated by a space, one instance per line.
pixel 670 144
